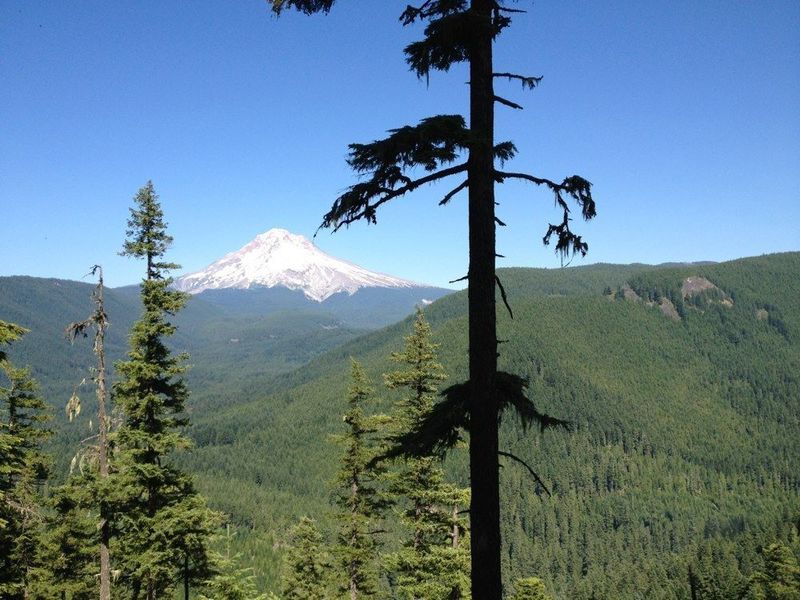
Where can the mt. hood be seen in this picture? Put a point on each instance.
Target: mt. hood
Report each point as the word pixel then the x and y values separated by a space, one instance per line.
pixel 280 258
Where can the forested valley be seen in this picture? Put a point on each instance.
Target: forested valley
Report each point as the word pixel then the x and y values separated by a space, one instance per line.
pixel 616 432
pixel 675 477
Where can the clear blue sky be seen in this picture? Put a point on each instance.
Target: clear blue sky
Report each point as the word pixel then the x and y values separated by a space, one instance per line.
pixel 685 116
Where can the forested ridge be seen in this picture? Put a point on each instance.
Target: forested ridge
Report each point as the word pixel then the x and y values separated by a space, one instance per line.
pixel 680 471
pixel 685 436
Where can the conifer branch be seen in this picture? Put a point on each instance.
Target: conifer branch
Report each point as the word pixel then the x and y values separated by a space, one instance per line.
pixel 305 6
pixel 356 210
pixel 527 466
pixel 528 82
pixel 580 190
pixel 412 13
pixel 510 10
pixel 464 278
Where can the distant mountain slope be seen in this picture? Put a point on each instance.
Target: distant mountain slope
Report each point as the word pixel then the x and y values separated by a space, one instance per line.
pixel 687 430
pixel 368 307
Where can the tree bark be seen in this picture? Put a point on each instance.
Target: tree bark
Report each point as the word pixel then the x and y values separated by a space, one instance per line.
pixel 483 447
pixel 105 534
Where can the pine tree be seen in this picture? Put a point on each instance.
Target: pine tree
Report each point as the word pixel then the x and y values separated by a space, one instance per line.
pixel 360 500
pixel 164 525
pixel 433 563
pixel 23 470
pixel 462 31
pixel 306 566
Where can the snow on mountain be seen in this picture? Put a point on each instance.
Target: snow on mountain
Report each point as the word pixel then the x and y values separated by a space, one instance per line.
pixel 280 258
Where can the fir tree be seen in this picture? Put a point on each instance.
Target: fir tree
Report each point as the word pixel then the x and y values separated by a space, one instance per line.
pixel 23 470
pixel 360 500
pixel 462 31
pixel 68 554
pixel 306 566
pixel 231 582
pixel 433 562
pixel 9 332
pixel 780 579
pixel 164 526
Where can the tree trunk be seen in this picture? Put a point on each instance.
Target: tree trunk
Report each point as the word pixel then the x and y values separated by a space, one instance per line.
pixel 483 447
pixel 105 534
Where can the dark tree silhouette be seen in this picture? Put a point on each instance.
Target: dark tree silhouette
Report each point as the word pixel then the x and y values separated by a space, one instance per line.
pixel 461 31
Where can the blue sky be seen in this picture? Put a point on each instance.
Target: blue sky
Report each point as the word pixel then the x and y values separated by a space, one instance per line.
pixel 684 115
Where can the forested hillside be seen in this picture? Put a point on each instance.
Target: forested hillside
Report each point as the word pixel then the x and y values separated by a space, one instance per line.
pixel 680 381
pixel 685 441
pixel 224 344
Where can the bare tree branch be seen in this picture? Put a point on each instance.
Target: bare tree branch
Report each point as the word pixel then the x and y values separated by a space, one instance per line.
pixel 501 175
pixel 506 102
pixel 527 466
pixel 453 192
pixel 503 296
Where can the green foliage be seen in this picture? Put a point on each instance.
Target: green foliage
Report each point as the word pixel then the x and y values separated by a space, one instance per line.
pixel 163 526
pixel 680 432
pixel 68 564
pixel 433 561
pixel 780 578
pixel 230 582
pixel 306 565
pixel 714 573
pixel 360 500
pixel 23 471
pixel 530 588
pixel 9 332
pixel 685 431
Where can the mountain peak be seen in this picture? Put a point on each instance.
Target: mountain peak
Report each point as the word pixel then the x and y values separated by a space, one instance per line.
pixel 279 257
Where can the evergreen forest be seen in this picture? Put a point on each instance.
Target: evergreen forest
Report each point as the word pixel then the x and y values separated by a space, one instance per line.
pixel 605 432
pixel 675 478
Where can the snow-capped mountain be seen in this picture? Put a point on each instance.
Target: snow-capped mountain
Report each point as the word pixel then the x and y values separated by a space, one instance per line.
pixel 280 258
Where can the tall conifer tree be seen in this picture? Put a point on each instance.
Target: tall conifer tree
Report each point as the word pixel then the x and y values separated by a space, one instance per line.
pixel 434 562
pixel 164 526
pixel 306 566
pixel 23 470
pixel 462 31
pixel 360 500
